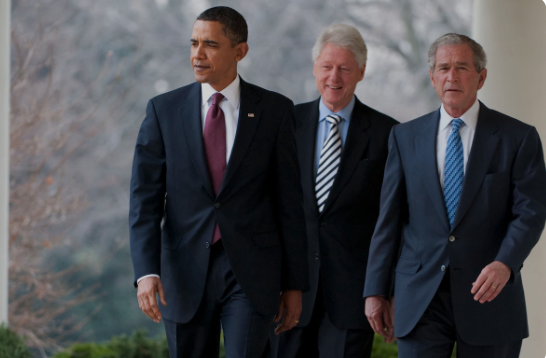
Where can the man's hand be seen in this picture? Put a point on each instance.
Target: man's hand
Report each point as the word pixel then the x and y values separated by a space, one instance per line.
pixel 490 282
pixel 378 312
pixel 391 306
pixel 146 294
pixel 291 307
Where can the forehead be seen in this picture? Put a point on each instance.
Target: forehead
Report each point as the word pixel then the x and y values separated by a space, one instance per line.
pixel 454 53
pixel 211 30
pixel 336 54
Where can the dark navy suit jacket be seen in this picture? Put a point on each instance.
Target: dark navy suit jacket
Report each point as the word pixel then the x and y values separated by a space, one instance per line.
pixel 500 217
pixel 173 209
pixel 339 237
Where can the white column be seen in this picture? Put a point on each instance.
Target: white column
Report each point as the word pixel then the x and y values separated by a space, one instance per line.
pixel 513 34
pixel 4 154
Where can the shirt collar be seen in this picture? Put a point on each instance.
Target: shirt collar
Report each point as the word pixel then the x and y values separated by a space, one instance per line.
pixel 470 117
pixel 345 113
pixel 232 93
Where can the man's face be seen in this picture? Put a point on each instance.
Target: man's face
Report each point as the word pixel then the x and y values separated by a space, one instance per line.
pixel 213 59
pixel 455 78
pixel 336 75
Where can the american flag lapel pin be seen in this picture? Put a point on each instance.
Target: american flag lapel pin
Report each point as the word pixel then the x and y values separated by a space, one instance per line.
pixel 251 115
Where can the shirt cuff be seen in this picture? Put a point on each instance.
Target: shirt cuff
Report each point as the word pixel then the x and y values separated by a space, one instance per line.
pixel 143 277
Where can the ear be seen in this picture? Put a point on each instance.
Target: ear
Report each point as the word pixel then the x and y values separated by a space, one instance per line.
pixel 483 76
pixel 241 51
pixel 362 70
pixel 430 73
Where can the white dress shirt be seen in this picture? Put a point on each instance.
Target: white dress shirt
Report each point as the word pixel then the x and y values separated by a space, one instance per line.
pixel 470 119
pixel 230 105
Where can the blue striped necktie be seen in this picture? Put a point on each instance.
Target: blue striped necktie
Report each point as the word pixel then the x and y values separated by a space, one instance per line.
pixel 454 170
pixel 330 157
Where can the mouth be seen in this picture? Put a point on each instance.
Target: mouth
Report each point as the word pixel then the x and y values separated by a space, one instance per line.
pixel 453 90
pixel 334 87
pixel 199 68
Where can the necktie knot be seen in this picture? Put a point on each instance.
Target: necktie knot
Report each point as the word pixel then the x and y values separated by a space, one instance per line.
pixel 216 98
pixel 333 119
pixel 457 123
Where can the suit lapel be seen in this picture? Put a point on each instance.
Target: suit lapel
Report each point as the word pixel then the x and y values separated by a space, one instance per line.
pixel 190 117
pixel 306 137
pixel 355 144
pixel 246 127
pixel 425 154
pixel 483 147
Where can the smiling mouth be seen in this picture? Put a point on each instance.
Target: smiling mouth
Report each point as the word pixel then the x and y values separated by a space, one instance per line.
pixel 333 87
pixel 200 67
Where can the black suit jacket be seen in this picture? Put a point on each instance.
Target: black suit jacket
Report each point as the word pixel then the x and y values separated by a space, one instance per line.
pixel 339 238
pixel 173 209
pixel 500 217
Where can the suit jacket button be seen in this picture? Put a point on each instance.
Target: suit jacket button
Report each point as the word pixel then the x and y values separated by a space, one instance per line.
pixel 316 256
pixel 321 223
pixel 207 245
pixel 217 205
pixel 443 268
pixel 451 238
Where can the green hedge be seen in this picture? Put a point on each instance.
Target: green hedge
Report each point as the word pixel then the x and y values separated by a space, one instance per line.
pixel 138 345
pixel 11 345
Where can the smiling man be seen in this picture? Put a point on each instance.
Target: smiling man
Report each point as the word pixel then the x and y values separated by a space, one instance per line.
pixel 342 149
pixel 462 205
pixel 216 220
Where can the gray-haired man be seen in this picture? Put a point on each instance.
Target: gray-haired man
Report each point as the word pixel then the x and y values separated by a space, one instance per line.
pixel 342 149
pixel 464 187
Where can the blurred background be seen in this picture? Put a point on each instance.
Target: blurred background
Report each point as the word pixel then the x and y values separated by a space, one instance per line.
pixel 81 74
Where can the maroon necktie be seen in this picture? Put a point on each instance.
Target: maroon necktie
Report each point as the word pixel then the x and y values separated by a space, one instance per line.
pixel 215 148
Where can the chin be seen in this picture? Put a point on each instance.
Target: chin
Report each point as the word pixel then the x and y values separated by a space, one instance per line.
pixel 201 78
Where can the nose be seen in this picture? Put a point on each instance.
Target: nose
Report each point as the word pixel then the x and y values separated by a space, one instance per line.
pixel 452 74
pixel 335 74
pixel 198 52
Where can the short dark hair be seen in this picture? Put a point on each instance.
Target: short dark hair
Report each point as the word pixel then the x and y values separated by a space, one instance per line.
pixel 233 23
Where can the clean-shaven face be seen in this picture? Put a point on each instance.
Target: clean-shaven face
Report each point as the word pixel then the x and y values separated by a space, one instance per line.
pixel 455 78
pixel 336 75
pixel 213 58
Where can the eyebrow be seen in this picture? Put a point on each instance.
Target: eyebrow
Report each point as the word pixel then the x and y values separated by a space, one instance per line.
pixel 206 41
pixel 457 63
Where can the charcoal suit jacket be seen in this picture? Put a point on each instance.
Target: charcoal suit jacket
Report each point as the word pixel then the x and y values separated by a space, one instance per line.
pixel 339 237
pixel 173 209
pixel 500 217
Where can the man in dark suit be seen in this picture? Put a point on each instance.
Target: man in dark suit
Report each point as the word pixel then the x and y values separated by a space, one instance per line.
pixel 216 219
pixel 465 188
pixel 342 149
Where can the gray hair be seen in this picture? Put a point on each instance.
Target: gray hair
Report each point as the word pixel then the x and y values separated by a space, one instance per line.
pixel 345 36
pixel 480 59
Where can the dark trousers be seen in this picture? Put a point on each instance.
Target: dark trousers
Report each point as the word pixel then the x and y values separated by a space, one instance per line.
pixel 321 338
pixel 224 305
pixel 435 334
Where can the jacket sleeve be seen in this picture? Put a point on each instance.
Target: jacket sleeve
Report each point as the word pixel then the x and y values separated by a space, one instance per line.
pixel 528 183
pixel 295 271
pixel 147 196
pixel 387 236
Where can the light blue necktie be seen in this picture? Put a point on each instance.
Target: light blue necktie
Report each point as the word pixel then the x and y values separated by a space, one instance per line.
pixel 454 170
